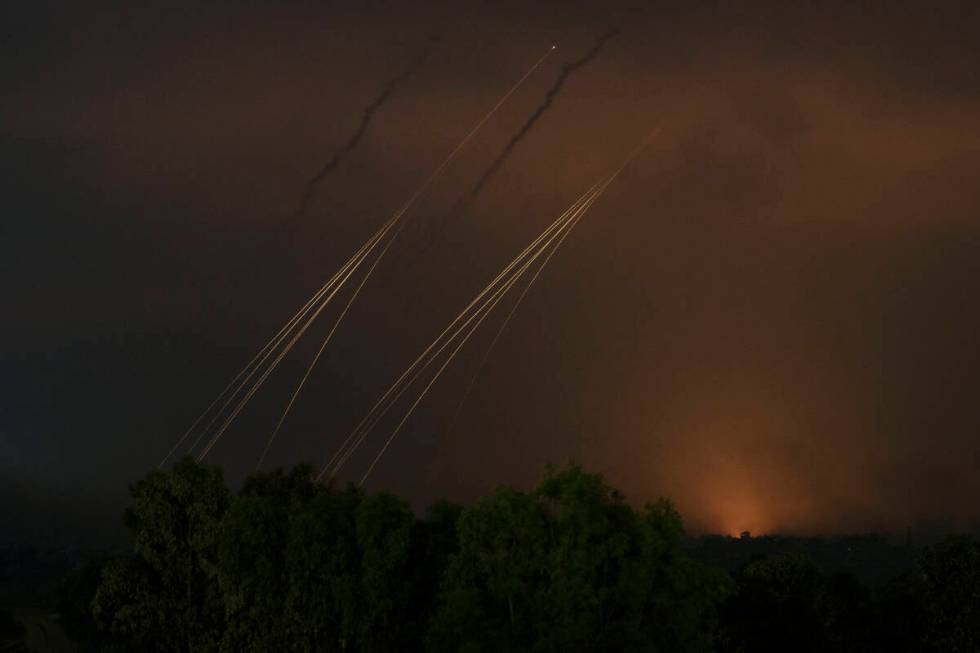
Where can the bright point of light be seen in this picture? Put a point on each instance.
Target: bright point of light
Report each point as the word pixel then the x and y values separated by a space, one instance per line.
pixel 553 47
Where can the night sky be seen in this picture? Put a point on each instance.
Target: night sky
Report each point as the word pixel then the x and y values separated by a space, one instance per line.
pixel 772 316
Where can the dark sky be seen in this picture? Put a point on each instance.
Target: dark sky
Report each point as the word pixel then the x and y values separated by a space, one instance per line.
pixel 771 316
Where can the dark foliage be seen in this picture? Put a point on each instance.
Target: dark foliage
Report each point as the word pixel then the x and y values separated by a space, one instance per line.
pixel 291 565
pixel 10 628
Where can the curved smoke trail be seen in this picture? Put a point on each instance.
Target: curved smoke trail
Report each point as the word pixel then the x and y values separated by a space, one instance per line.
pixel 436 231
pixel 549 98
pixel 366 117
pixel 287 225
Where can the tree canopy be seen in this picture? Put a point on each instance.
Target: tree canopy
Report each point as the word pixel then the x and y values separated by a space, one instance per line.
pixel 287 564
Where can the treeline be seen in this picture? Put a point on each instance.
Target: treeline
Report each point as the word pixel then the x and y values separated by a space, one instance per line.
pixel 872 557
pixel 290 565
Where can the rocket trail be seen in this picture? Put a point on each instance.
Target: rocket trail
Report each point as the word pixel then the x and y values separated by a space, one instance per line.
pixel 396 219
pixel 351 268
pixel 442 341
pixel 319 353
pixel 549 98
pixel 440 224
pixel 483 313
pixel 547 243
pixel 517 304
pixel 435 377
pixel 477 309
pixel 302 320
pixel 245 375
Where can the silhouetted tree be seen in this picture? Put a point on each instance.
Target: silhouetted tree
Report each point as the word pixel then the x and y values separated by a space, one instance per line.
pixel 899 624
pixel 434 541
pixel 950 580
pixel 384 537
pixel 846 611
pixel 775 607
pixel 251 560
pixel 571 567
pixel 75 607
pixel 323 571
pixel 289 564
pixel 167 598
pixel 310 567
